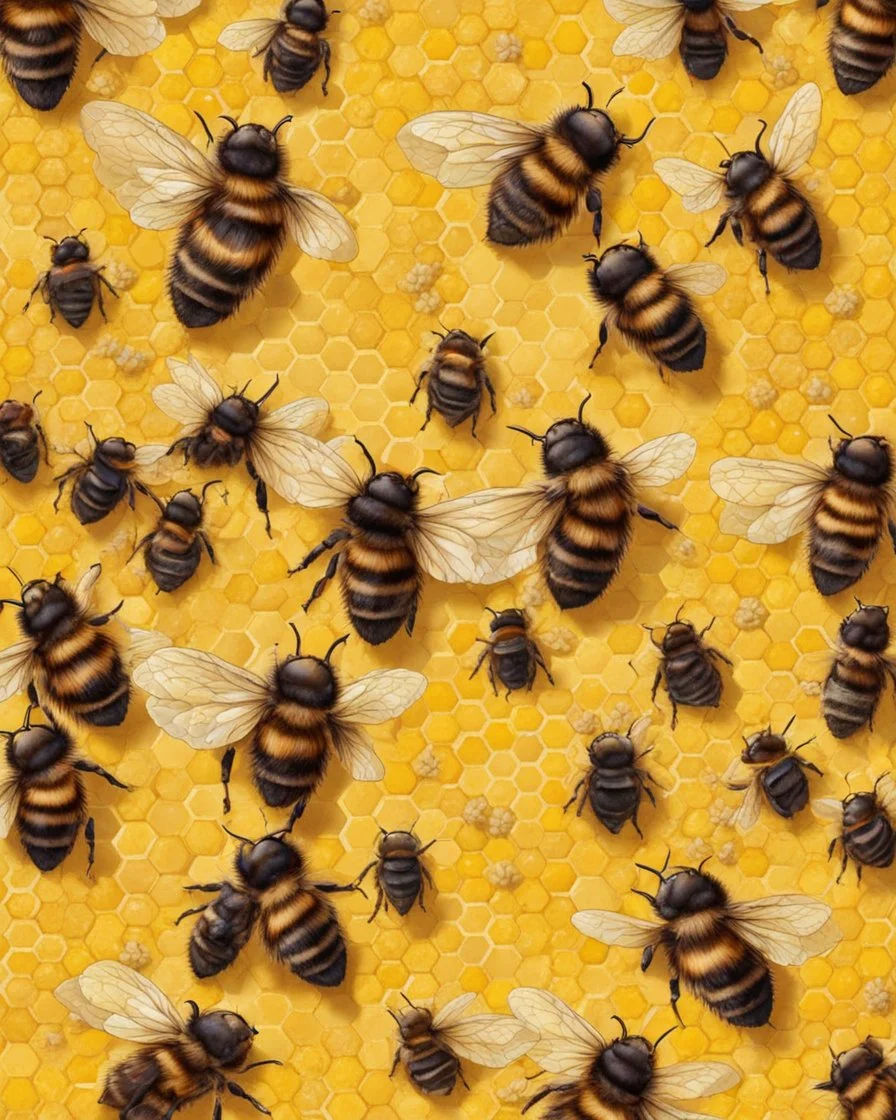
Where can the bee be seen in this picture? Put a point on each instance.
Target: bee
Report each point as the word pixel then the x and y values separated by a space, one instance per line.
pixel 614 784
pixel 21 437
pixel 763 199
pixel 219 431
pixel 400 872
pixel 859 672
pixel 106 477
pixel 768 767
pixel 173 549
pixel 73 284
pixel 868 837
pixel 457 379
pixel 299 925
pixel 687 667
pixel 717 948
pixel 619 1078
pixel 297 719
pixel 540 174
pixel 431 1046
pixel 650 306
pixel 862 44
pixel 178 1061
pixel 43 794
pixel 235 212
pixel 293 46
pixel 513 656
pixel 865 1083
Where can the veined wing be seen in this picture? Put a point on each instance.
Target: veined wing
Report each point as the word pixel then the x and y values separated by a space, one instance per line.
pixel 82 591
pixel 487 1040
pixel 886 795
pixel 617 929
pixel 192 395
pixel 445 547
pixel 685 1081
pixel 253 35
pixel 567 1043
pixel 787 928
pixel 828 809
pixel 466 149
pixel 656 34
pixel 9 799
pixel 770 501
pixel 794 137
pixel 330 480
pixel 16 668
pixel 701 278
pixel 746 814
pixel 114 998
pixel 169 9
pixel 318 228
pixel 283 444
pixel 660 461
pixel 639 730
pixel 374 698
pixel 122 27
pixel 700 189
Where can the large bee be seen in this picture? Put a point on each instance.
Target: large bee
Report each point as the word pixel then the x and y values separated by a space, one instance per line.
pixel 299 925
pixel 173 549
pixel 293 46
pixel 650 306
pixel 763 200
pixel 73 284
pixel 768 768
pixel 866 820
pixel 107 476
pixel 618 1079
pixel 401 875
pixel 457 379
pixel 847 506
pixel 717 948
pixel 859 671
pixel 296 719
pixel 864 1081
pixel 21 438
pixel 235 212
pixel 43 795
pixel 178 1061
pixel 431 1046
pixel 513 655
pixel 687 667
pixel 540 174
pixel 862 44
pixel 219 431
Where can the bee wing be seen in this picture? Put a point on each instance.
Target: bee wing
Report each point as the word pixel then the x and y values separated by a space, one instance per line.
pixel 701 278
pixel 318 228
pixel 685 1081
pixel 149 456
pixel 199 698
pixel 283 444
pixel 886 796
pixel 655 34
pixel 152 170
pixel 787 928
pixel 9 800
pixel 466 149
pixel 617 929
pixel 169 9
pixel 15 668
pixel 453 1010
pixel 567 1043
pixel 660 461
pixel 114 998
pixel 746 814
pixel 769 501
pixel 487 1040
pixel 794 137
pixel 380 695
pixel 123 27
pixel 748 5
pixel 143 643
pixel 828 809
pixel 330 480
pixel 700 189
pixel 193 394
pixel 639 730
pixel 445 547
pixel 83 589
pixel 249 34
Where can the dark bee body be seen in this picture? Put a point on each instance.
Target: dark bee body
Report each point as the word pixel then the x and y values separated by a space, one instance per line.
pixel 73 284
pixel 400 873
pixel 173 549
pixel 40 48
pixel 704 38
pixel 432 1067
pixel 614 784
pixel 298 49
pixel 102 481
pixel 687 670
pixel 222 929
pixel 457 380
pixel 782 773
pixel 864 1082
pixel 868 837
pixel 514 657
pixel 20 432
pixel 862 44
pixel 856 680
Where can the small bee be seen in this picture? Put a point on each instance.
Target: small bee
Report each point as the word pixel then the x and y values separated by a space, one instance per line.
pixel 687 667
pixel 178 1061
pixel 717 948
pixel 297 719
pixel 173 549
pixel 299 926
pixel 650 306
pixel 400 872
pixel 293 45
pixel 763 199
pixel 106 477
pixel 865 1083
pixel 862 44
pixel 457 379
pixel 859 672
pixel 73 283
pixel 540 174
pixel 600 1078
pixel 868 837
pixel 768 766
pixel 513 656
pixel 21 437
pixel 431 1046
pixel 235 213
pixel 43 794
pixel 615 782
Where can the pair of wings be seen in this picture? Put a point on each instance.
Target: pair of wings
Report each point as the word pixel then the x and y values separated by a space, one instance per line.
pixel 742 776
pixel 463 149
pixel 282 441
pixel 129 27
pixel 792 141
pixel 486 1040
pixel 114 998
pixel 831 809
pixel 163 180
pixel 208 703
pixel 768 502
pixel 568 1044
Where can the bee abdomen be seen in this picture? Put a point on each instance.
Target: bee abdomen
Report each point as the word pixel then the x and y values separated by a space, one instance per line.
pixel 20 454
pixel 843 538
pixel 49 818
pixel 172 556
pixel 850 697
pixel 96 493
pixel 126 1078
pixel 703 46
pixel 533 200
pixel 787 225
pixel 728 976
pixel 432 1068
pixel 40 49
pixel 614 797
pixel 74 295
pixel 516 668
pixel 862 44
pixel 402 879
pixel 786 787
pixel 221 931
pixel 692 680
pixel 454 390
pixel 584 551
pixel 872 843
pixel 380 587
pixel 293 57
pixel 288 760
pixel 669 330
pixel 304 932
pixel 84 676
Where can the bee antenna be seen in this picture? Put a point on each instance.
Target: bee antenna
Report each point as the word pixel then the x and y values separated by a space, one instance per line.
pixel 371 462
pixel 295 631
pixel 665 1034
pixel 678 612
pixel 89 428
pixel 590 93
pixel 421 470
pixel 702 864
pixel 48 238
pixel 724 146
pixel 525 432
pixel 885 774
pixel 16 576
pixel 631 141
pixel 761 134
pixel 394 1016
pixel 27 723
pixel 265 396
pixel 491 612
pixel 10 602
pixel 214 482
pixel 652 870
pixel 281 123
pixel 622 1025
pixel 789 724
pixel 581 411
pixel 613 95
pixel 194 1008
pixel 80 231
pixel 335 645
pixel 839 427
pixel 236 835
pixel 484 341
pixel 204 123
pixel 407 1001
pixel 233 124
pixel 650 898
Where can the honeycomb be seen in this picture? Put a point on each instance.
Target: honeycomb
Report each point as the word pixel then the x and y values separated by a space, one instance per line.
pixel 485 776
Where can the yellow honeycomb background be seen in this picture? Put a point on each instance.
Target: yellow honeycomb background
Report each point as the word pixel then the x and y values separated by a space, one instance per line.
pixel 487 777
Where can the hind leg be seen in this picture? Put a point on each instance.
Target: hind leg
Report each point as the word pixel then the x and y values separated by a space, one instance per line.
pixel 90 837
pixel 762 257
pixel 261 495
pixel 226 768
pixel 602 337
pixel 651 515
pixel 321 584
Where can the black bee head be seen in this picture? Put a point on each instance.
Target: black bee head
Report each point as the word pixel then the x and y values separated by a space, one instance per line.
pixel 851 1064
pixel 115 452
pixel 224 1035
pixel 309 15
pixel 620 267
pixel 412 1020
pixel 264 862
pixel 611 751
pixel 32 749
pixel 236 415
pixel 15 414
pixel 745 172
pixel 510 617
pixel 866 629
pixel 686 891
pixel 593 134
pixel 627 1063
pixel 184 509
pixel 864 459
pixel 764 747
pixel 859 808
pixel 569 444
pixel 399 840
pixel 678 633
pixel 44 604
pixel 393 489
pixel 252 150
pixel 697 5
pixel 70 249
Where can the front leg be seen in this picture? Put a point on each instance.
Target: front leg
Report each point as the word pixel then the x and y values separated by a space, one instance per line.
pixel 102 619
pixel 652 515
pixel 762 257
pixel 188 913
pixel 206 888
pixel 340 888
pixel 87 767
pixel 140 544
pixel 239 1091
pixel 566 1087
pixel 226 769
pixel 675 996
pixel 261 495
pixel 325 58
pixel 336 537
pixel 602 336
pixel 321 584
pixel 90 837
pixel 720 228
pixel 595 205
pixel 742 35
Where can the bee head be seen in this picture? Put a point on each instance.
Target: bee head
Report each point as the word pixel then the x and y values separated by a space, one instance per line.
pixel 593 134
pixel 70 249
pixel 746 171
pixel 184 509
pixel 43 605
pixel 858 808
pixel 849 1065
pixel 252 150
pixel 763 747
pixel 309 15
pixel 413 1020
pixel 15 414
pixel 866 629
pixel 620 267
pixel 115 452
pixel 510 617
pixel 678 633
pixel 32 749
pixel 627 1063
pixel 697 5
pixel 261 863
pixel 688 890
pixel 611 751
pixel 864 459
pixel 309 681
pixel 224 1035
pixel 399 840
pixel 569 444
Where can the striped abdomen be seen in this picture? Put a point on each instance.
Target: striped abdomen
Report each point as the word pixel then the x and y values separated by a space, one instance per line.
pixel 301 928
pixel 19 453
pixel 844 533
pixel 52 808
pixel 455 386
pixel 659 319
pixel 779 219
pixel 213 447
pixel 177 1072
pixel 290 751
pixel 872 843
pixel 786 787
pixel 585 1101
pixel 40 41
pixel 225 252
pixel 691 678
pixel 82 676
pixel 615 796
pixel 292 58
pixel 512 657
pixel 221 931
pixel 431 1067
pixel 172 555
pixel 380 584
pixel 401 878
pixel 862 43
pixel 871 1096
pixel 704 45
pixel 96 491
pixel 851 692
pixel 73 291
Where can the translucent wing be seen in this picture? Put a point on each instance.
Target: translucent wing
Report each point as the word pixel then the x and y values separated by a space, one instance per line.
pixel 654 35
pixel 685 1081
pixel 787 928
pixel 746 814
pixel 169 9
pixel 318 228
pixel 748 5
pixel 631 11
pixel 282 445
pixel 466 149
pixel 150 455
pixel 116 999
pixel 123 27
pixel 249 34
pixel 699 188
pixel 152 170
pixel 329 481
pixel 828 809
pixel 380 695
pixel 886 795
pixel 700 278
pixel 356 751
pixel 617 929
pixel 657 1109
pixel 567 1043
pixel 770 501
pixel 453 1010
pixel 199 698
pixel 487 1040
pixel 9 801
pixel 142 643
pixel 192 396
pixel 639 730
pixel 794 137
pixel 446 549
pixel 83 589
pixel 660 461
pixel 15 668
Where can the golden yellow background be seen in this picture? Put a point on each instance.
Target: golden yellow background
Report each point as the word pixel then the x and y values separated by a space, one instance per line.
pixel 485 776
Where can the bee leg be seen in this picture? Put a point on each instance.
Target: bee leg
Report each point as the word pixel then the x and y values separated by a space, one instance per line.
pixel 651 515
pixel 675 996
pixel 602 337
pixel 540 661
pixel 379 902
pixel 239 1091
pixel 742 35
pixel 891 526
pixel 463 1080
pixel 763 269
pixel 43 439
pixel 721 656
pixel 325 58
pixel 719 230
pixel 395 1062
pixel 136 1099
pixel 595 205
pixel 143 541
pixel 424 373
pixel 336 537
pixel 261 495
pixel 226 768
pixel 647 790
pixel 207 888
pixel 656 684
pixel 187 913
pixel 575 794
pixel 102 619
pixel 41 280
pixel 207 544
pixel 62 479
pixel 88 767
pixel 546 1091
pixel 482 657
pixel 90 837
pixel 263 1062
pixel 491 392
pixel 635 823
pixel 412 618
pixel 218 1111
pixel 493 678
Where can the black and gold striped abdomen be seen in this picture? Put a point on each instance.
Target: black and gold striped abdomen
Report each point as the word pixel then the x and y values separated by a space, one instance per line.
pixel 73 291
pixel 862 43
pixel 177 1072
pixel 844 532
pixel 40 40
pixel 704 44
pixel 82 676
pixel 52 808
pixel 380 584
pixel 455 385
pixel 778 218
pixel 292 58
pixel 401 878
pixel 872 1096
pixel 172 555
pixel 587 1102
pixel 300 927
pixel 659 319
pixel 538 195
pixel 290 751
pixel 872 843
pixel 432 1067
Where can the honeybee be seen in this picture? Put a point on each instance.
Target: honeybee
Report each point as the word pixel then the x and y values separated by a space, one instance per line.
pixel 650 306
pixel 218 431
pixel 106 477
pixel 768 767
pixel 173 549
pixel 866 820
pixel 293 46
pixel 431 1046
pixel 600 1078
pixel 457 379
pixel 235 212
pixel 401 874
pixel 687 667
pixel 21 438
pixel 513 656
pixel 178 1061
pixel 763 199
pixel 297 719
pixel 862 44
pixel 43 795
pixel 859 671
pixel 73 284
pixel 540 174
pixel 864 1081
pixel 717 948
pixel 299 925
